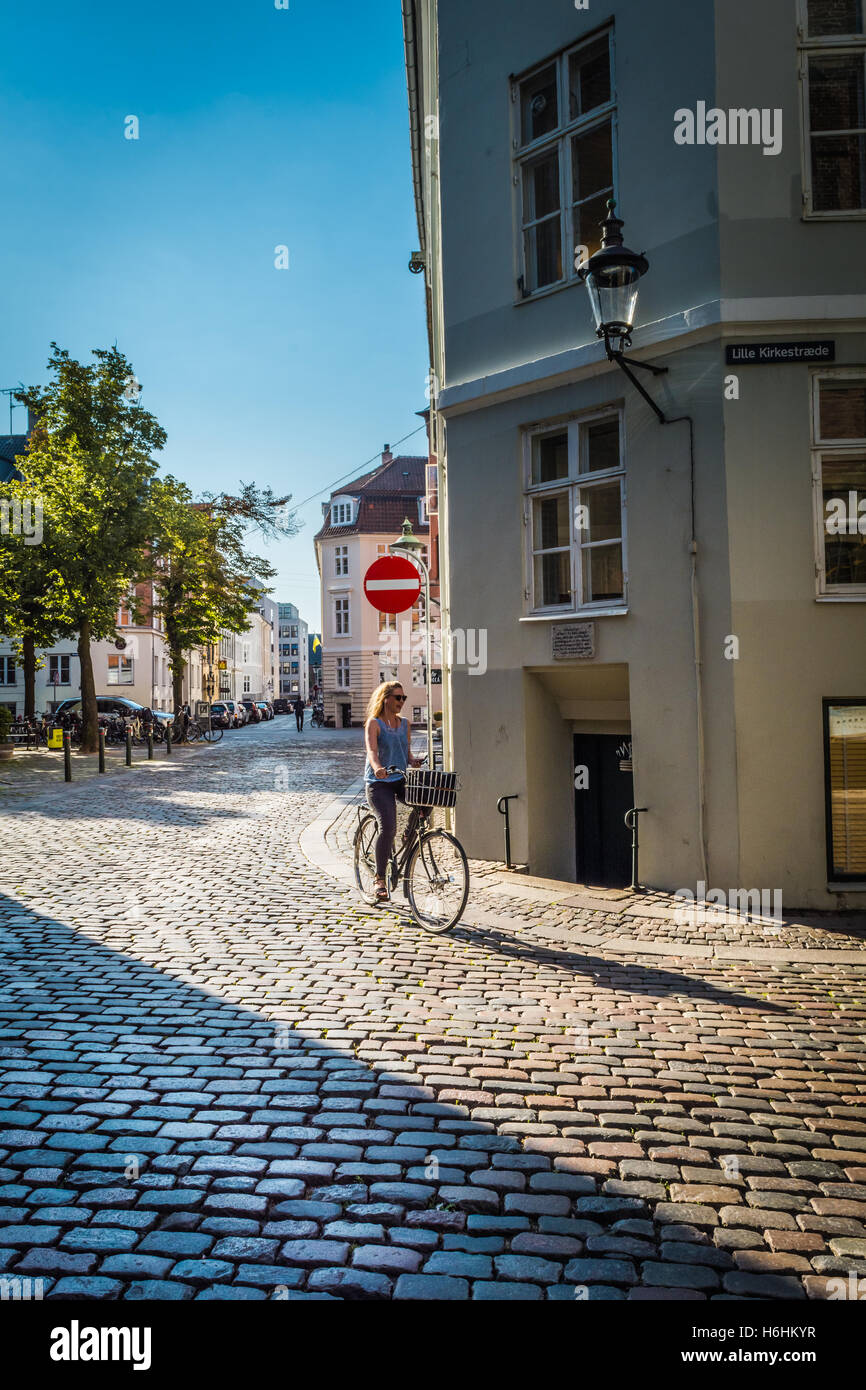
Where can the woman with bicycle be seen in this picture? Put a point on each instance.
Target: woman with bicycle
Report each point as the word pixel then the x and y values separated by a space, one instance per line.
pixel 386 735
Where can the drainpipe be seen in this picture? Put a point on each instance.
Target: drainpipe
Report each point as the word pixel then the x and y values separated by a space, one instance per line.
pixel 696 642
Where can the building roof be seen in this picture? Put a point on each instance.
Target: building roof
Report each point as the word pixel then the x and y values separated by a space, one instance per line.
pixel 10 446
pixel 385 497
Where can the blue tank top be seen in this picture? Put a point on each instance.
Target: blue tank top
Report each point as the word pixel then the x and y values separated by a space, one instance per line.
pixel 393 751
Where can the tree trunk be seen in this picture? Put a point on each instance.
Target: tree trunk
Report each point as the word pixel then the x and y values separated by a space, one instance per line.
pixel 28 661
pixel 90 730
pixel 178 666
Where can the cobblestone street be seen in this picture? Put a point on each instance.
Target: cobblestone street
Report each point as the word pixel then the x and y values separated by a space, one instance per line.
pixel 225 1077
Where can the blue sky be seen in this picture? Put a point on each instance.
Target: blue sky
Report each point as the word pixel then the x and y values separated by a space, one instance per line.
pixel 258 127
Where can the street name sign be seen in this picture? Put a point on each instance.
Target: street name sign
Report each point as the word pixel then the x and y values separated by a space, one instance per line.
pixel 765 354
pixel 392 584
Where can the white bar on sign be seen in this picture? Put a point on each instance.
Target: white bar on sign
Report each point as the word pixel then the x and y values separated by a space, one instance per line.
pixel 378 584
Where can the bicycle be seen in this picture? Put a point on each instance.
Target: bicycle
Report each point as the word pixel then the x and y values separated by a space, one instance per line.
pixel 187 730
pixel 431 862
pixel 318 720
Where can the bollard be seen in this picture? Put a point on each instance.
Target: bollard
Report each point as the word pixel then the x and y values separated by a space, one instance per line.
pixel 150 742
pixel 168 740
pixel 101 750
pixel 67 757
pixel 630 819
pixel 128 746
pixel 503 811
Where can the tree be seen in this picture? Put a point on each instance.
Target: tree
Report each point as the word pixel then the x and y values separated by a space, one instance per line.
pixel 89 459
pixel 204 578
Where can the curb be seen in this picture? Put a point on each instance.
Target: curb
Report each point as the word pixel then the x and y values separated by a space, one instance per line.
pixel 315 848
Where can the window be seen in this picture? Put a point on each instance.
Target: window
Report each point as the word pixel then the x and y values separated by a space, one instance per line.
pixel 419 672
pixel 247 686
pixel 833 79
pixel 341 617
pixel 845 780
pixel 341 559
pixel 565 165
pixel 341 514
pixel 432 499
pixel 120 670
pixel 387 622
pixel 839 481
pixel 294 651
pixel 422 511
pixel 344 679
pixel 7 670
pixel 58 670
pixel 293 630
pixel 124 615
pixel 575 516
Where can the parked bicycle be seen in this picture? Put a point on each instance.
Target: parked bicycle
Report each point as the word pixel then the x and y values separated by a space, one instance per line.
pixel 185 729
pixel 430 862
pixel 318 720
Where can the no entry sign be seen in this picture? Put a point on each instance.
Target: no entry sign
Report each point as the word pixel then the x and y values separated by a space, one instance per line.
pixel 392 584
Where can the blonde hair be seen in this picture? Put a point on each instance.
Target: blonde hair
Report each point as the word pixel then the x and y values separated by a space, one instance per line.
pixel 377 699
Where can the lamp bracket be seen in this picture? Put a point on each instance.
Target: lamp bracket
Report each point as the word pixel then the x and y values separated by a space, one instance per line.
pixel 623 363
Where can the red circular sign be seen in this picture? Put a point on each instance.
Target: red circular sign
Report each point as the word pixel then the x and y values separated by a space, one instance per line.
pixel 392 584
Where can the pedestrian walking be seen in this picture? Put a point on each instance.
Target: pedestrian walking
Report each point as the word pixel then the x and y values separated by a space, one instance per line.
pixel 386 734
pixel 299 712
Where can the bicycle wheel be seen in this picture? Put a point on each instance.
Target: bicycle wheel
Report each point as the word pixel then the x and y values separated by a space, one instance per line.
pixel 193 732
pixel 364 857
pixel 438 881
pixel 213 735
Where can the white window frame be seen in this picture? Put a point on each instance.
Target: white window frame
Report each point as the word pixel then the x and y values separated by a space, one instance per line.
pixel 342 511
pixel 560 139
pixel 123 669
pixel 575 483
pixel 247 686
pixel 341 560
pixel 830 449
pixel 807 47
pixel 344 673
pixel 55 663
pixel 342 617
pixel 8 663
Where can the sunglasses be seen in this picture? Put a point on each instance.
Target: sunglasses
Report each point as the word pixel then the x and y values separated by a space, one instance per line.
pixel 401 698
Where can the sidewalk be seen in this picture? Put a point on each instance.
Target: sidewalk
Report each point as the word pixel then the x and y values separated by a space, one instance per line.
pixel 38 770
pixel 615 919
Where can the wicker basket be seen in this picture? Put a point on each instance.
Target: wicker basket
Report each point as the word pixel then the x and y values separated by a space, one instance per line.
pixel 429 787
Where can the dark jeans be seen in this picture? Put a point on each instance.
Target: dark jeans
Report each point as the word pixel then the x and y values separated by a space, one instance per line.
pixel 382 798
pixel 299 718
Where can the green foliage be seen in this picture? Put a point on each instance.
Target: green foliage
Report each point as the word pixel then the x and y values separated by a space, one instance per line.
pixel 5 723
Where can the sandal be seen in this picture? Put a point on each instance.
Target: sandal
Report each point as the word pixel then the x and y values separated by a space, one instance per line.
pixel 381 891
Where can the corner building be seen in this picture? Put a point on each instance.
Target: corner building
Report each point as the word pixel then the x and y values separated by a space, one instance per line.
pixel 672 629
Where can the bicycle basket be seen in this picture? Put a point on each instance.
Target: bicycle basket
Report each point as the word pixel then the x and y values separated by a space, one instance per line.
pixel 427 786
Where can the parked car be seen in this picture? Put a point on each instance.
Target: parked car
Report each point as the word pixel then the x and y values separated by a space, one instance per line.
pixel 254 714
pixel 112 705
pixel 266 708
pixel 237 713
pixel 220 716
pixel 282 706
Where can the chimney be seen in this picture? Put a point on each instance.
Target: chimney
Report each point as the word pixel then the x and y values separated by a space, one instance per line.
pixel 387 456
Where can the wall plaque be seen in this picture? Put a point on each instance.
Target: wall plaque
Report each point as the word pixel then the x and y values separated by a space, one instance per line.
pixel 573 641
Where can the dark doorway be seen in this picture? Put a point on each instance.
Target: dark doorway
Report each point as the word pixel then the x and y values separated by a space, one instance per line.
pixel 603 793
pixel 346 716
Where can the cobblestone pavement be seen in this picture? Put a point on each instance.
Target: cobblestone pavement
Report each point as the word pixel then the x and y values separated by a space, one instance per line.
pixel 226 1078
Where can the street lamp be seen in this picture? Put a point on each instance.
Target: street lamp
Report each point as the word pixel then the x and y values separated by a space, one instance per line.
pixel 411 548
pixel 611 277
